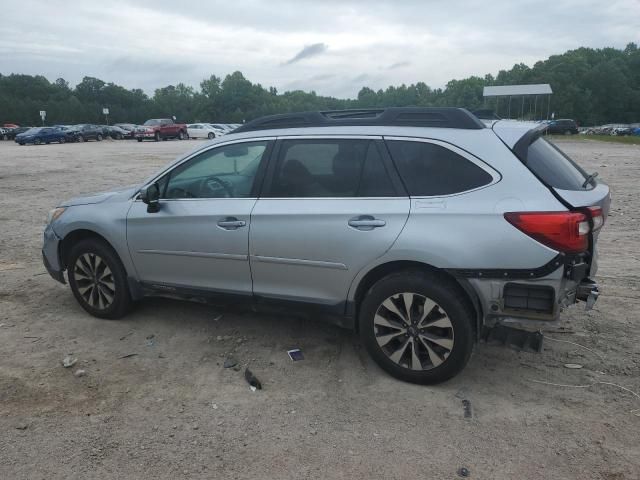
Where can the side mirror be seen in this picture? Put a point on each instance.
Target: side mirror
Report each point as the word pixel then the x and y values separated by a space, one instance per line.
pixel 151 196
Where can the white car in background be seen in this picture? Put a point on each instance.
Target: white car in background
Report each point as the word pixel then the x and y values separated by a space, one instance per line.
pixel 223 127
pixel 203 130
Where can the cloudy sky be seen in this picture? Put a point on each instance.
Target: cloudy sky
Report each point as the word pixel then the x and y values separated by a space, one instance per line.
pixel 331 46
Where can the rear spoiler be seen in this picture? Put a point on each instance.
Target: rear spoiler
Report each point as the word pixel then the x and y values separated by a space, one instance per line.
pixel 521 147
pixel 517 136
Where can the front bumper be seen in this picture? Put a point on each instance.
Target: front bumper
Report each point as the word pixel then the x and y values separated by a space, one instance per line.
pixel 51 255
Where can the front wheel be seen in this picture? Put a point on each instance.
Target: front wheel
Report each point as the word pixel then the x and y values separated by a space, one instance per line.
pixel 80 139
pixel 417 326
pixel 181 135
pixel 139 139
pixel 211 135
pixel 156 137
pixel 98 280
pixel 62 140
pixel 99 138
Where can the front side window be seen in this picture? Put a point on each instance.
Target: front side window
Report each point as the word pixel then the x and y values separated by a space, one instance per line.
pixel 227 171
pixel 428 169
pixel 330 168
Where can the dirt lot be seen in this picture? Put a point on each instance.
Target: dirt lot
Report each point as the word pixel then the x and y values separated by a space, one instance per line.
pixel 172 411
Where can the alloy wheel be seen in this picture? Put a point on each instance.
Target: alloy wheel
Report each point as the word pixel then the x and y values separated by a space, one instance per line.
pixel 94 280
pixel 413 331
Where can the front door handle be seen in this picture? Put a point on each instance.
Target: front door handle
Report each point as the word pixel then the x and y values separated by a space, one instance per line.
pixel 231 223
pixel 366 222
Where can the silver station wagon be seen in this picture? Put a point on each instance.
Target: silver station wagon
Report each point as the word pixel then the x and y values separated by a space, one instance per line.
pixel 422 228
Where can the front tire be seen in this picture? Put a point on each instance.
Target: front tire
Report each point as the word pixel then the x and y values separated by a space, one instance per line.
pixel 98 279
pixel 62 140
pixel 156 137
pixel 417 326
pixel 80 139
pixel 99 138
pixel 181 135
pixel 211 135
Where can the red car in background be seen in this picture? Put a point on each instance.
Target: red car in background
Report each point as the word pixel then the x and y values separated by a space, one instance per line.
pixel 161 128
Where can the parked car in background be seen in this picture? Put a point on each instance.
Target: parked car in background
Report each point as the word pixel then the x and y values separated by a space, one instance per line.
pixel 203 130
pixel 161 129
pixel 222 127
pixel 85 132
pixel 564 126
pixel 420 228
pixel 10 125
pixel 114 132
pixel 129 128
pixel 39 135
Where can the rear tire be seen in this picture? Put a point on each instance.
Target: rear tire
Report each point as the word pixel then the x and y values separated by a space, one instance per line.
pixel 180 135
pixel 80 139
pixel 99 138
pixel 98 279
pixel 438 325
pixel 139 139
pixel 211 135
pixel 62 140
pixel 5 138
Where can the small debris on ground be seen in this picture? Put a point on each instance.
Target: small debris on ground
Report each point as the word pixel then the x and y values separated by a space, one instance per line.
pixel 214 406
pixel 230 362
pixel 126 335
pixel 253 382
pixel 217 318
pixel 573 366
pixel 69 361
pixel 295 354
pixel 22 426
pixel 463 472
pixel 80 373
pixel 466 404
pixel 128 355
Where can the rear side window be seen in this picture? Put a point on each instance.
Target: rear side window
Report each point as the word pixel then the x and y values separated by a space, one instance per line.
pixel 330 168
pixel 555 168
pixel 428 169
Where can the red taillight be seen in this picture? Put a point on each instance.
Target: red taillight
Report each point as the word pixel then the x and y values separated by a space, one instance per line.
pixel 563 231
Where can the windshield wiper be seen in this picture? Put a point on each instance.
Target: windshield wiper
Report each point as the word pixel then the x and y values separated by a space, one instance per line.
pixel 589 179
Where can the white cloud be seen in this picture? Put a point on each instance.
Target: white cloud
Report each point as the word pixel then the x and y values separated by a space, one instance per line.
pixel 374 43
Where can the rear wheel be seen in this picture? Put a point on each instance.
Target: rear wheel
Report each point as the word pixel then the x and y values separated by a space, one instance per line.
pixel 181 135
pixel 139 139
pixel 62 140
pixel 417 326
pixel 5 137
pixel 211 135
pixel 99 137
pixel 80 138
pixel 98 280
pixel 37 141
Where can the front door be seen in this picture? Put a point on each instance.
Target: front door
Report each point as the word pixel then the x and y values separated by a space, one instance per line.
pixel 331 208
pixel 199 237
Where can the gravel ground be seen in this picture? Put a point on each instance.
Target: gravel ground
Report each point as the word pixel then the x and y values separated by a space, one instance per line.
pixel 172 410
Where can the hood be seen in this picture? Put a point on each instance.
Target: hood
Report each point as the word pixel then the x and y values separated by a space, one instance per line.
pixel 119 194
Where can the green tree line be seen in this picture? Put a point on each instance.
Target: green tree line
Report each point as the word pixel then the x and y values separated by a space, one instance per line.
pixel 593 86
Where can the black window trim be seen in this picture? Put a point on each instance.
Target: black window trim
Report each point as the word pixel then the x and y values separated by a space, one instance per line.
pixel 495 175
pixel 400 191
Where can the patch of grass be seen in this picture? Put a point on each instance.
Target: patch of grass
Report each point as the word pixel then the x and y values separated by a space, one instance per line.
pixel 630 140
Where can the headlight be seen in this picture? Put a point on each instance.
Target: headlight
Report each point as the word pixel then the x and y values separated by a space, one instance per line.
pixel 55 214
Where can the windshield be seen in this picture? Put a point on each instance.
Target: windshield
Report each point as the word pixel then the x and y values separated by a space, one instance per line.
pixel 33 130
pixel 152 122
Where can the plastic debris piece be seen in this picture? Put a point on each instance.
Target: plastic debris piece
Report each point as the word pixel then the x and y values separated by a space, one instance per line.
pixel 253 382
pixel 573 366
pixel 464 472
pixel 295 354
pixel 69 361
pixel 230 362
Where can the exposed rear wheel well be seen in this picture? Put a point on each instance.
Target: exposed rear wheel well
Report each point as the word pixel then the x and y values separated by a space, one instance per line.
pixel 385 269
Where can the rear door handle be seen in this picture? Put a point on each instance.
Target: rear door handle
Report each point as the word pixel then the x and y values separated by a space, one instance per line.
pixel 231 223
pixel 366 222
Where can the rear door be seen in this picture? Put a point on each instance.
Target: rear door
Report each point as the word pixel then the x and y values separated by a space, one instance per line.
pixel 331 206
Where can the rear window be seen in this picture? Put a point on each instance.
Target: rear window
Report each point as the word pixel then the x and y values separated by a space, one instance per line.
pixel 428 169
pixel 555 168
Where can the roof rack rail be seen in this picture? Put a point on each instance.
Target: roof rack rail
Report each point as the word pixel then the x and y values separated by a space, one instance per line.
pixel 442 117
